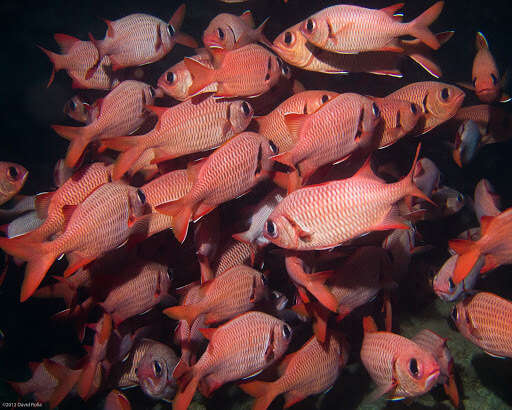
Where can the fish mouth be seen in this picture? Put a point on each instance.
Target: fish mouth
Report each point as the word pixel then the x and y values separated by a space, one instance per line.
pixel 211 42
pixel 432 379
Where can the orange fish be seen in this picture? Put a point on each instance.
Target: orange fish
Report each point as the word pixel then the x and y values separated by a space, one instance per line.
pixel 243 161
pixel 77 58
pixel 352 29
pixel 329 135
pixel 437 101
pixel 234 292
pixel 273 125
pixel 167 187
pixel 122 112
pixel 139 39
pixel 231 75
pixel 243 347
pixel 227 32
pixel 399 367
pixel 484 319
pixel 312 369
pixel 192 126
pixel 176 81
pixel 12 179
pixel 326 215
pixel 102 222
pixel 486 78
pixel 495 245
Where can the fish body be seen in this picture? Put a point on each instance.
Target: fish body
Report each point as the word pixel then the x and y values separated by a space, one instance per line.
pixel 484 319
pixel 495 124
pixel 231 76
pixel 427 176
pixel 12 179
pixel 273 125
pixel 207 236
pixel 326 215
pixel 189 127
pixel 168 187
pixel 233 253
pixel 243 161
pixel 240 348
pixel 443 284
pixel 352 29
pixel 487 202
pixel 116 400
pixel 312 369
pixel 23 224
pixel 122 112
pixel 467 143
pixel 437 101
pixel 400 243
pixel 399 366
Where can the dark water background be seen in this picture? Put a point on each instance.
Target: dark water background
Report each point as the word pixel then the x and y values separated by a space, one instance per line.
pixel 28 108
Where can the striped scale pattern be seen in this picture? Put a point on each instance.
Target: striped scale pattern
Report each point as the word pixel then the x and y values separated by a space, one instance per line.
pixel 232 254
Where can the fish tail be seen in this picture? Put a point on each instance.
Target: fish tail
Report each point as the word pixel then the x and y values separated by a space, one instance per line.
pixel 79 137
pixel 66 377
pixel 90 72
pixel 262 391
pixel 201 75
pixel 317 287
pixel 450 388
pixel 56 60
pixel 181 217
pixel 261 36
pixel 126 160
pixel 188 313
pixel 184 397
pixel 39 257
pixel 86 379
pixel 421 54
pixel 412 189
pixel 419 26
pixel 469 253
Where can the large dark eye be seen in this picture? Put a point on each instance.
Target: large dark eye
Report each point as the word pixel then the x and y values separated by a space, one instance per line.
pixel 273 146
pixel 170 77
pixel 325 98
pixel 171 30
pixel 494 79
pixel 141 196
pixel 157 369
pixel 451 284
pixel 445 94
pixel 288 37
pixel 474 82
pixel 460 197
pixel 376 110
pixel 454 314
pixel 285 69
pixel 13 172
pixel 72 105
pixel 220 32
pixel 271 229
pixel 287 332
pixel 414 109
pixel 413 367
pixel 310 25
pixel 245 108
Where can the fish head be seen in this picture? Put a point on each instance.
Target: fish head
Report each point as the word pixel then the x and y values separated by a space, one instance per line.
pixel 176 81
pixel 443 100
pixel 279 230
pixel 449 200
pixel 77 109
pixel 137 202
pixel 467 143
pixel 461 317
pixel 282 336
pixel 268 150
pixel 12 178
pixel 316 30
pixel 369 118
pixel 416 370
pixel 221 33
pixel 316 99
pixel 168 32
pixel 485 75
pixel 426 176
pixel 291 46
pixel 443 284
pixel 154 372
pixel 240 115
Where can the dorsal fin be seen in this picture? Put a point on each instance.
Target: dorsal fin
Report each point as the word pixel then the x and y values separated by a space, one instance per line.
pixel 110 28
pixel 246 17
pixel 65 42
pixel 481 41
pixel 391 10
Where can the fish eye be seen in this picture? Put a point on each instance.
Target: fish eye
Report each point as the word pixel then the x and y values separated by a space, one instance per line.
pixel 285 69
pixel 273 146
pixel 445 94
pixel 13 172
pixel 157 369
pixel 454 315
pixel 413 367
pixel 170 30
pixel 287 332
pixel 414 109
pixel 271 229
pixel 152 92
pixel 72 104
pixel 245 108
pixel 310 25
pixel 460 197
pixel 141 196
pixel 325 98
pixel 474 82
pixel 288 38
pixel 494 79
pixel 170 77
pixel 274 295
pixel 451 284
pixel 264 279
pixel 376 110
pixel 220 32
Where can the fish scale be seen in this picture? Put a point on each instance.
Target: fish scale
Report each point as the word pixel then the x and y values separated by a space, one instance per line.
pixel 168 187
pixel 234 253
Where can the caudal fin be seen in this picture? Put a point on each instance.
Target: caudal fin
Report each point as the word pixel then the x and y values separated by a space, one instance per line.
pixel 422 54
pixel 184 398
pixel 188 313
pixel 79 137
pixel 413 190
pixel 419 26
pixel 55 60
pixel 262 391
pixel 126 160
pixel 469 253
pixel 39 258
pixel 181 214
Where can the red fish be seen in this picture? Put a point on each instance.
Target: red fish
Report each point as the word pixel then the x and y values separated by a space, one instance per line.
pixel 233 253
pixel 241 348
pixel 122 112
pixel 494 245
pixel 139 39
pixel 312 369
pixel 399 367
pixel 484 319
pixel 12 179
pixel 243 161
pixel 352 29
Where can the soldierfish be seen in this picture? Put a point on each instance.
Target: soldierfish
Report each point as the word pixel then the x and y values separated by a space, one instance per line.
pixel 399 367
pixel 243 162
pixel 233 253
pixel 484 319
pixel 22 224
pixel 81 111
pixel 326 215
pixel 139 39
pixel 12 179
pixel 100 223
pixel 241 348
pixel 312 369
pixel 495 245
pixel 352 29
pixel 122 112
